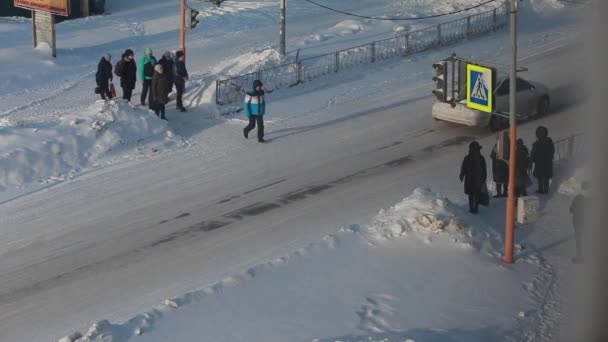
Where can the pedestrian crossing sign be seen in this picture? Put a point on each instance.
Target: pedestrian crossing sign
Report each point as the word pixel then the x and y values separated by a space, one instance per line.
pixel 480 88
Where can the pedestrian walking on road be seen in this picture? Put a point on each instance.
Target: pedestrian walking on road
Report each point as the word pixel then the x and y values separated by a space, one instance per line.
pixel 473 172
pixel 103 77
pixel 541 156
pixel 181 76
pixel 255 107
pixel 146 72
pixel 578 208
pixel 160 91
pixel 126 69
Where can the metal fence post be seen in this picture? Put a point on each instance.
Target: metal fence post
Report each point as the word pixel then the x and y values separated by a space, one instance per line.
pixel 373 52
pixel 337 66
pixel 299 72
pixel 571 146
pixel 406 44
pixel 468 26
pixel 494 20
pixel 217 92
pixel 439 35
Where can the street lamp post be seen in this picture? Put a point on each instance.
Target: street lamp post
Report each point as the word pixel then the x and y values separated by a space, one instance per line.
pixel 510 222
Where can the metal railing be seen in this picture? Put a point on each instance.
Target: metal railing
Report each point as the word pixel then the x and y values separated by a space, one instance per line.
pixel 230 90
pixel 567 147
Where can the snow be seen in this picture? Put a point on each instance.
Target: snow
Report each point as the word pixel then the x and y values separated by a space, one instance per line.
pixel 350 225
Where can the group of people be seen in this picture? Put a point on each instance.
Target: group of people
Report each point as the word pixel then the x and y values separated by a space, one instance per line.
pixel 158 78
pixel 540 159
pixel 474 174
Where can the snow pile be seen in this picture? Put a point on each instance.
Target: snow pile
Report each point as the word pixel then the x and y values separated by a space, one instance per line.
pixel 354 285
pixel 105 130
pixel 427 215
pixel 572 185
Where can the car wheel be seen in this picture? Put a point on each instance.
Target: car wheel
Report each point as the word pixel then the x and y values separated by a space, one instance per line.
pixel 543 107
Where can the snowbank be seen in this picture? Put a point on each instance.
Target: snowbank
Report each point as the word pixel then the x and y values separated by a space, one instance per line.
pixel 381 281
pixel 102 132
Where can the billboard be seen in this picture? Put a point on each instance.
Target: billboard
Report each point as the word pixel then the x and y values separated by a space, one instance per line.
pixel 60 7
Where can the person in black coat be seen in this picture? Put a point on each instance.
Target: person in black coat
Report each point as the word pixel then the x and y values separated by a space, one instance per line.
pixel 168 69
pixel 541 156
pixel 181 76
pixel 500 173
pixel 473 172
pixel 522 168
pixel 160 91
pixel 103 77
pixel 126 69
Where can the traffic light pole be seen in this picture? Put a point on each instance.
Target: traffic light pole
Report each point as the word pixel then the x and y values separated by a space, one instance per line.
pixel 183 29
pixel 510 222
pixel 282 29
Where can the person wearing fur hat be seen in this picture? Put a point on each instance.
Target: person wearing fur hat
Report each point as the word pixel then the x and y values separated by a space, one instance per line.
pixel 126 69
pixel 181 76
pixel 160 91
pixel 473 172
pixel 146 71
pixel 541 156
pixel 103 77
pixel 255 107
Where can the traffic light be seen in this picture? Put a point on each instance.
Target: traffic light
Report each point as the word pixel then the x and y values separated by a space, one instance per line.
pixel 193 20
pixel 441 92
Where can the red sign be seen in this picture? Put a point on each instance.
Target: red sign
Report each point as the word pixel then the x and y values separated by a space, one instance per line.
pixel 60 7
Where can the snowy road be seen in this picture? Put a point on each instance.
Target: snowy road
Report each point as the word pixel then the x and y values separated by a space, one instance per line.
pixel 119 240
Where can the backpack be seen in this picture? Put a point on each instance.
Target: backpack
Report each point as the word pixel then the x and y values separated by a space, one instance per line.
pixel 118 70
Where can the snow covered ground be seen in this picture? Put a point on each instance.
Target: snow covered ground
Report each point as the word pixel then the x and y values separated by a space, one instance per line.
pixel 107 211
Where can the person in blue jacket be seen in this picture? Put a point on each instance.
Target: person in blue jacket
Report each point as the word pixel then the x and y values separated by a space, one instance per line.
pixel 255 107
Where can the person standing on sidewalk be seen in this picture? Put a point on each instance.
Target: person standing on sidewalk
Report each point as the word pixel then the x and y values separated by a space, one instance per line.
pixel 578 208
pixel 181 76
pixel 160 91
pixel 473 172
pixel 126 69
pixel 541 156
pixel 255 107
pixel 146 72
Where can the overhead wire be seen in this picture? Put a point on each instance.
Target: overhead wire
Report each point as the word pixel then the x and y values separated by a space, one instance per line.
pixel 401 18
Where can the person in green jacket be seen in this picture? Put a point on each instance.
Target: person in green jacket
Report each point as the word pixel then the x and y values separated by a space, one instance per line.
pixel 146 72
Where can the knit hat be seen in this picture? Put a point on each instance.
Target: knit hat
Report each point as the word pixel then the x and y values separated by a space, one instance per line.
pixel 168 55
pixel 158 68
pixel 128 52
pixel 179 53
pixel 148 52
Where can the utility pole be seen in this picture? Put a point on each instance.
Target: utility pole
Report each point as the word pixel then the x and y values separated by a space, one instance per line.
pixel 282 30
pixel 510 222
pixel 183 29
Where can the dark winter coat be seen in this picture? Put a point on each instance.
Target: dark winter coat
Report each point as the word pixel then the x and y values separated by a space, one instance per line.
pixel 160 89
pixel 542 157
pixel 522 166
pixel 500 169
pixel 104 73
pixel 127 70
pixel 168 71
pixel 180 70
pixel 473 171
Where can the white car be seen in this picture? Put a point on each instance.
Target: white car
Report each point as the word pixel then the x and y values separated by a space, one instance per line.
pixel 532 102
